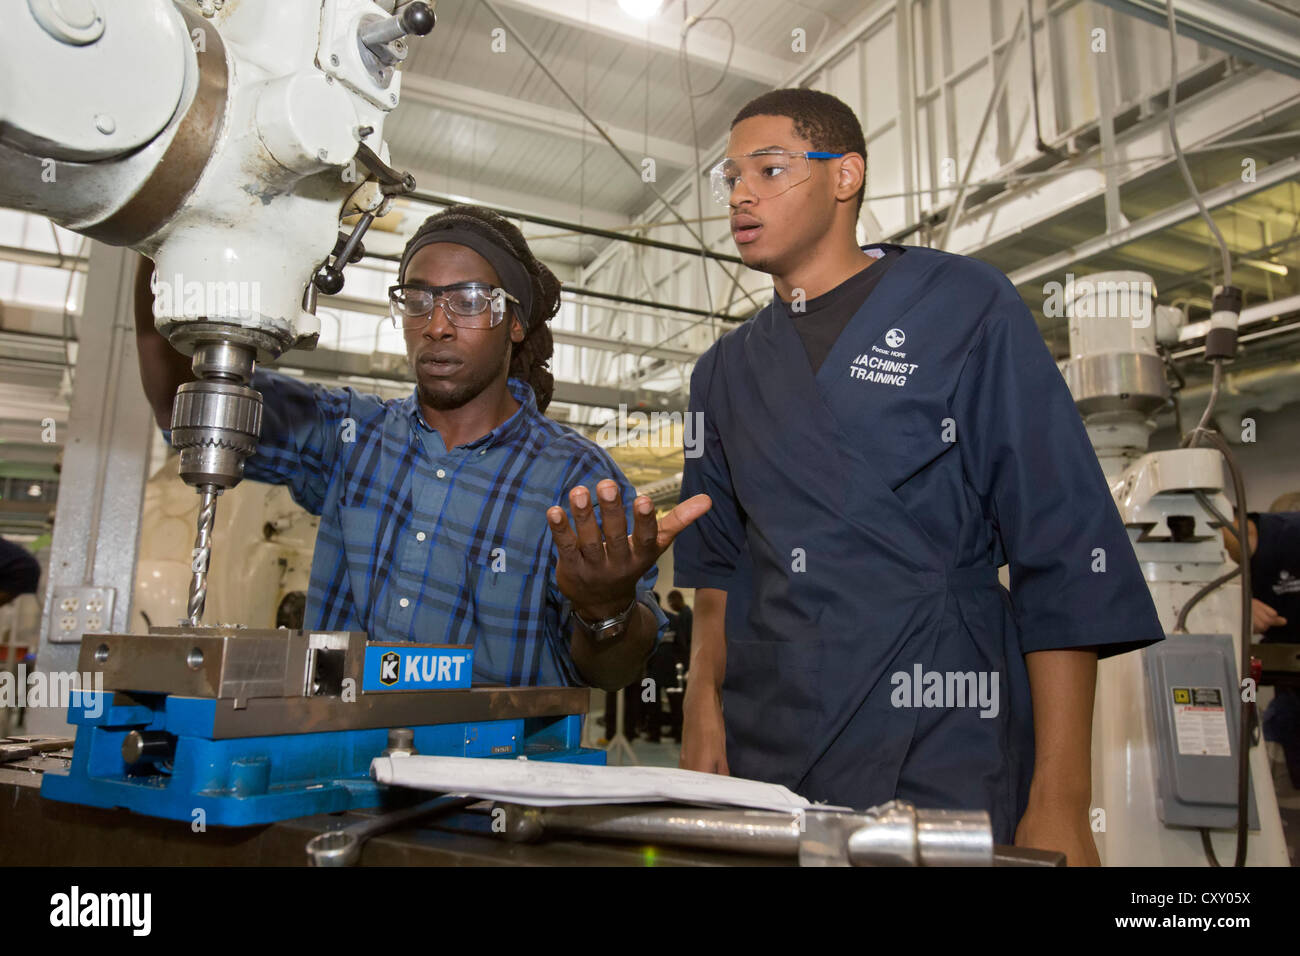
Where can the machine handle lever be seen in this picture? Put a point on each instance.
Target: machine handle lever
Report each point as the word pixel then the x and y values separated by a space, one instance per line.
pixel 415 19
pixel 392 182
pixel 329 278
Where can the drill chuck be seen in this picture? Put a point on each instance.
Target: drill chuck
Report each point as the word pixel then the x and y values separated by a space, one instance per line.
pixel 216 422
pixel 215 426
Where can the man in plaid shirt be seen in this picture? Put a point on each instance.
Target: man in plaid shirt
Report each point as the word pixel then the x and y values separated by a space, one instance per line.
pixel 435 510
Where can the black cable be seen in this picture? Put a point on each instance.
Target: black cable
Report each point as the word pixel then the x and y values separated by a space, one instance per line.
pixel 1208 847
pixel 697 237
pixel 1216 385
pixel 695 141
pixel 1225 522
pixel 1243 568
pixel 1180 626
pixel 691 23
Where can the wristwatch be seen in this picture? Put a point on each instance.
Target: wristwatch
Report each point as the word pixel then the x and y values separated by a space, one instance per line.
pixel 609 628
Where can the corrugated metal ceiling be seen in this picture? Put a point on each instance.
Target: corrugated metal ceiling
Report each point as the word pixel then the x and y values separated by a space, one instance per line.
pixel 482 136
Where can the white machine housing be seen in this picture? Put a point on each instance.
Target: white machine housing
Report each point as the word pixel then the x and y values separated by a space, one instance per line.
pixel 1116 375
pixel 216 138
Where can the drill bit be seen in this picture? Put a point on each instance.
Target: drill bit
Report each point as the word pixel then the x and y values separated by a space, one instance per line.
pixel 202 552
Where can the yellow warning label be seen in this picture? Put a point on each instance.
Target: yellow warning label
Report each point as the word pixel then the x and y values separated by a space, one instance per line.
pixel 1182 695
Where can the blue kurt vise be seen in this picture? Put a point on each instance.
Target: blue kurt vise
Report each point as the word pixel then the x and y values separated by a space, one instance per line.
pixel 237 727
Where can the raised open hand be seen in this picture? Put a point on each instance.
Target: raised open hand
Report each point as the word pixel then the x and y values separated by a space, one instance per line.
pixel 598 569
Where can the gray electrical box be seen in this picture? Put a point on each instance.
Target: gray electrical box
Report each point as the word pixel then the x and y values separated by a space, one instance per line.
pixel 1195 701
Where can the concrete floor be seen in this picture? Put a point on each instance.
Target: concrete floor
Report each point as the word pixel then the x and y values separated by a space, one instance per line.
pixel 646 754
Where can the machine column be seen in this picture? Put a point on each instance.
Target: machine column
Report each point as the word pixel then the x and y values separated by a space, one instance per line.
pixel 101 488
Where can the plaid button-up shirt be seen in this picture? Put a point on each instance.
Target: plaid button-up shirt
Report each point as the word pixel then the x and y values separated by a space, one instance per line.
pixel 419 542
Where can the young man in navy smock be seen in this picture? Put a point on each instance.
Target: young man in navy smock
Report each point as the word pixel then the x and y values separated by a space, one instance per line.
pixel 877 442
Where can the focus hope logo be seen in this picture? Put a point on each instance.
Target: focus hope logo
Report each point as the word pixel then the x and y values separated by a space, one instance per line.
pixel 885 366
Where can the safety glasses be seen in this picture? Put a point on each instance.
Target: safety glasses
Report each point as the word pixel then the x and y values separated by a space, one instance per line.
pixel 766 173
pixel 467 305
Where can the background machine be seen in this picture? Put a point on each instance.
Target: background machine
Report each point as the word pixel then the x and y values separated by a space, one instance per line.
pixel 1168 776
pixel 227 143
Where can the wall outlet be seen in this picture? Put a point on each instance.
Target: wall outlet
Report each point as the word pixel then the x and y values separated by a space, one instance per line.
pixel 76 611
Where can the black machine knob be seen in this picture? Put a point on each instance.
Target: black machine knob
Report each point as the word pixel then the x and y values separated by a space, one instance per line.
pixel 415 19
pixel 329 279
pixel 418 18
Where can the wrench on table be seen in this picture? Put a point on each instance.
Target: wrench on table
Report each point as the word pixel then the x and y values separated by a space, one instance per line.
pixel 342 847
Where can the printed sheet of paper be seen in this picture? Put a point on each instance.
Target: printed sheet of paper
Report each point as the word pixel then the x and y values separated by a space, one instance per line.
pixel 543 783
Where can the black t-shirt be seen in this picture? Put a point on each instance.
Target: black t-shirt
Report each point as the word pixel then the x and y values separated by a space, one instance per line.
pixel 822 319
pixel 1275 571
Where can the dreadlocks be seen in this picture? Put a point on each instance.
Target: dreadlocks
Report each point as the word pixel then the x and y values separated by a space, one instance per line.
pixel 530 358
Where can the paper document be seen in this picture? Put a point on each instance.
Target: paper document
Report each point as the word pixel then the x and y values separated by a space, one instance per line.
pixel 543 783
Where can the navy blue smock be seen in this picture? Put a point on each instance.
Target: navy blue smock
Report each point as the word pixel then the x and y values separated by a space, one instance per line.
pixel 858 520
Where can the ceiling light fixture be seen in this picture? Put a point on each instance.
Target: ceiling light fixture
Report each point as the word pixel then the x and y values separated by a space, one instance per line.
pixel 640 9
pixel 1277 268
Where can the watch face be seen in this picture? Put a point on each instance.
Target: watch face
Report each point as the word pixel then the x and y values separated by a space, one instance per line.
pixel 609 631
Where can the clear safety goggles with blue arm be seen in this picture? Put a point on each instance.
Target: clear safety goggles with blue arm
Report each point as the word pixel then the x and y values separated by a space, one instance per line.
pixel 766 173
pixel 467 305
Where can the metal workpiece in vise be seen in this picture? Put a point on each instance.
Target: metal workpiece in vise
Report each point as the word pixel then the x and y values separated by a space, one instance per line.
pixel 893 834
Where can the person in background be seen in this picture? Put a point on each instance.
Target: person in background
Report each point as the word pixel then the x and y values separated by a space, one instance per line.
pixel 635 711
pixel 20 572
pixel 661 668
pixel 680 618
pixel 1275 606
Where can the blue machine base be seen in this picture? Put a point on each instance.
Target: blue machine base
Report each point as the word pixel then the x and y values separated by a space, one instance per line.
pixel 250 781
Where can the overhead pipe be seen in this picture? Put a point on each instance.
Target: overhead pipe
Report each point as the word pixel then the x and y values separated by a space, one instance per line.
pixel 1255 30
pixel 1234 191
pixel 435 200
pixel 592 293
